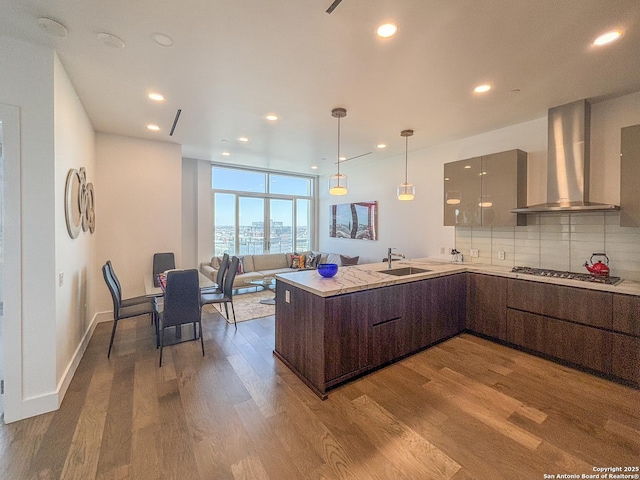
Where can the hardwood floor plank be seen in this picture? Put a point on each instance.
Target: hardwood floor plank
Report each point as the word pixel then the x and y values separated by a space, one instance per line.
pixel 115 450
pixel 398 440
pixel 82 460
pixel 276 461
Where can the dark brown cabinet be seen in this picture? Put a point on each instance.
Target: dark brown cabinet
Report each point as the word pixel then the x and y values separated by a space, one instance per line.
pixel 626 357
pixel 580 305
pixel 327 341
pixel 578 344
pixel 487 305
pixel 626 314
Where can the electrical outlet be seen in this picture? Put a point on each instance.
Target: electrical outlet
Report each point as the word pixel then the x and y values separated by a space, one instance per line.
pixel 442 249
pixel 287 296
pixel 475 252
pixel 61 279
pixel 500 255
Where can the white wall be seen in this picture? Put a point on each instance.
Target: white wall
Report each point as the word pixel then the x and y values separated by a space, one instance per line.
pixel 26 80
pixel 138 210
pixel 74 148
pixel 415 228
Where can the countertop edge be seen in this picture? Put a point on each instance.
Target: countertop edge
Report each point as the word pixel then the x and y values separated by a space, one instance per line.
pixel 359 278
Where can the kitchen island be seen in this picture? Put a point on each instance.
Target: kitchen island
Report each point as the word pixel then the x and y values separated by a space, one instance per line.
pixel 330 330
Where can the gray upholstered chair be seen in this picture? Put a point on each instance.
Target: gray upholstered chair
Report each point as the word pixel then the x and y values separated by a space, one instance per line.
pixel 226 297
pixel 181 304
pixel 120 311
pixel 222 270
pixel 161 263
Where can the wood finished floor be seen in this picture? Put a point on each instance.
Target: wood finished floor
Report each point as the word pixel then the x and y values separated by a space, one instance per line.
pixel 465 409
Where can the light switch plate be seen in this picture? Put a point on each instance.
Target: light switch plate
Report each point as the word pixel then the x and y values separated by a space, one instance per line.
pixel 61 279
pixel 500 255
pixel 475 252
pixel 287 296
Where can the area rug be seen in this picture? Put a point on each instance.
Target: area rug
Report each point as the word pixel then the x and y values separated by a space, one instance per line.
pixel 247 306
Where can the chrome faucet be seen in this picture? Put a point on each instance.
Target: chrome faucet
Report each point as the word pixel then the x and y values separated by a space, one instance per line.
pixel 390 256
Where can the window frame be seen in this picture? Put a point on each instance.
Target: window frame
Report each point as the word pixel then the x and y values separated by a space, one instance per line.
pixel 267 196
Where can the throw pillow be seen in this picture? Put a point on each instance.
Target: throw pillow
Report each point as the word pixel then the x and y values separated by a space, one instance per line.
pixel 240 265
pixel 301 261
pixel 295 261
pixel 349 260
pixel 215 262
pixel 311 261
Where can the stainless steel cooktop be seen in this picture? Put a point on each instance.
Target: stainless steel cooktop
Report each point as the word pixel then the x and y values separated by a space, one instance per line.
pixel 585 277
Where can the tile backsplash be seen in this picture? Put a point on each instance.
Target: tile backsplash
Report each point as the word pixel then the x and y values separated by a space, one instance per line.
pixel 557 241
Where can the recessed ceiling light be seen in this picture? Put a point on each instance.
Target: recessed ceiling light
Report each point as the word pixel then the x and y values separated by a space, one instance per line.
pixel 314 167
pixel 52 27
pixel 342 159
pixel 156 97
pixel 381 146
pixel 607 38
pixel 110 40
pixel 387 30
pixel 482 88
pixel 467 166
pixel 243 139
pixel 153 127
pixel 226 154
pixel 272 117
pixel 162 39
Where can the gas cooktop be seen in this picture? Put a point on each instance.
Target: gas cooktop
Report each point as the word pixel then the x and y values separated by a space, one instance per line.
pixel 584 277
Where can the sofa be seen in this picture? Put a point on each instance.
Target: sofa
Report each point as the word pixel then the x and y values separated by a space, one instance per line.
pixel 256 267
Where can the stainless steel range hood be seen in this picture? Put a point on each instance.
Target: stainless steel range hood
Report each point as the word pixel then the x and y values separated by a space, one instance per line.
pixel 568 162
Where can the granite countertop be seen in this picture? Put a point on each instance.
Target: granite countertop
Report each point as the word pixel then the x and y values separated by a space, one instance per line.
pixel 369 276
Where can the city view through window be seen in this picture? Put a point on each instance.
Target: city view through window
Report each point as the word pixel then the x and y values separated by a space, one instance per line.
pixel 260 212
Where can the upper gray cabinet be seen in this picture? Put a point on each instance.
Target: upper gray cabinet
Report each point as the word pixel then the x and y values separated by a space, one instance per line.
pixel 629 175
pixel 481 191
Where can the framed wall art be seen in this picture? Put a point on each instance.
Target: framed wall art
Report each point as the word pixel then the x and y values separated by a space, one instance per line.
pixel 354 220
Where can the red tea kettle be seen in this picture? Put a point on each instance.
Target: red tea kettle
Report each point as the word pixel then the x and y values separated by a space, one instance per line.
pixel 598 269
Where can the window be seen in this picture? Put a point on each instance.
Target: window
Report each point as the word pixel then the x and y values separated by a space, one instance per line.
pixel 261 212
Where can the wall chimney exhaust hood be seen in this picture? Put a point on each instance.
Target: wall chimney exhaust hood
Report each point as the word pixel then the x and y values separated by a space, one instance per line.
pixel 568 162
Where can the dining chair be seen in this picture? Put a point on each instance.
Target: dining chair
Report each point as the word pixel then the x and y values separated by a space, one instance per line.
pixel 120 311
pixel 226 297
pixel 181 304
pixel 161 263
pixel 222 270
pixel 125 302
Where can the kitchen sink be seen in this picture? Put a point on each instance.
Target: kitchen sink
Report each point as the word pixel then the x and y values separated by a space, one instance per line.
pixel 402 271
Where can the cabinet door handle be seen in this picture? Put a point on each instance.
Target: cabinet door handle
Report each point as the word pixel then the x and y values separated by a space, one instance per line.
pixel 382 322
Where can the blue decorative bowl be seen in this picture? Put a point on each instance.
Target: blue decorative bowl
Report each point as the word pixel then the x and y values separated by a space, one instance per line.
pixel 327 270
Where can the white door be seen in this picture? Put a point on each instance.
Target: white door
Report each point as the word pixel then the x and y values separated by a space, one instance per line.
pixel 10 260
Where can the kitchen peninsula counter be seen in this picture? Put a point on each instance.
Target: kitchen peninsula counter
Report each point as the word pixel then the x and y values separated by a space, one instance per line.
pixel 331 330
pixel 370 276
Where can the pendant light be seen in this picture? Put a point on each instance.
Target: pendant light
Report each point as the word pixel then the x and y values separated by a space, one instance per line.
pixel 406 190
pixel 338 183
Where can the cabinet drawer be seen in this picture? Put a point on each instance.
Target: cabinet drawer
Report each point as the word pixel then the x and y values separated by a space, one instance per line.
pixel 626 357
pixel 626 314
pixel 578 344
pixel 589 307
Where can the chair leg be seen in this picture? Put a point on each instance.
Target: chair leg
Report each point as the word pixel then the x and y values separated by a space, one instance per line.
pixel 113 334
pixel 234 315
pixel 201 336
pixel 161 345
pixel 226 309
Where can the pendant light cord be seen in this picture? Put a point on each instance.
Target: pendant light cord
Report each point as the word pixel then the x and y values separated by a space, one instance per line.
pixel 338 151
pixel 406 164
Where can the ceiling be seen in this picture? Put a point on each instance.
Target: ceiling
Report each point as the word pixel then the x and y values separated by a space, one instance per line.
pixel 232 62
